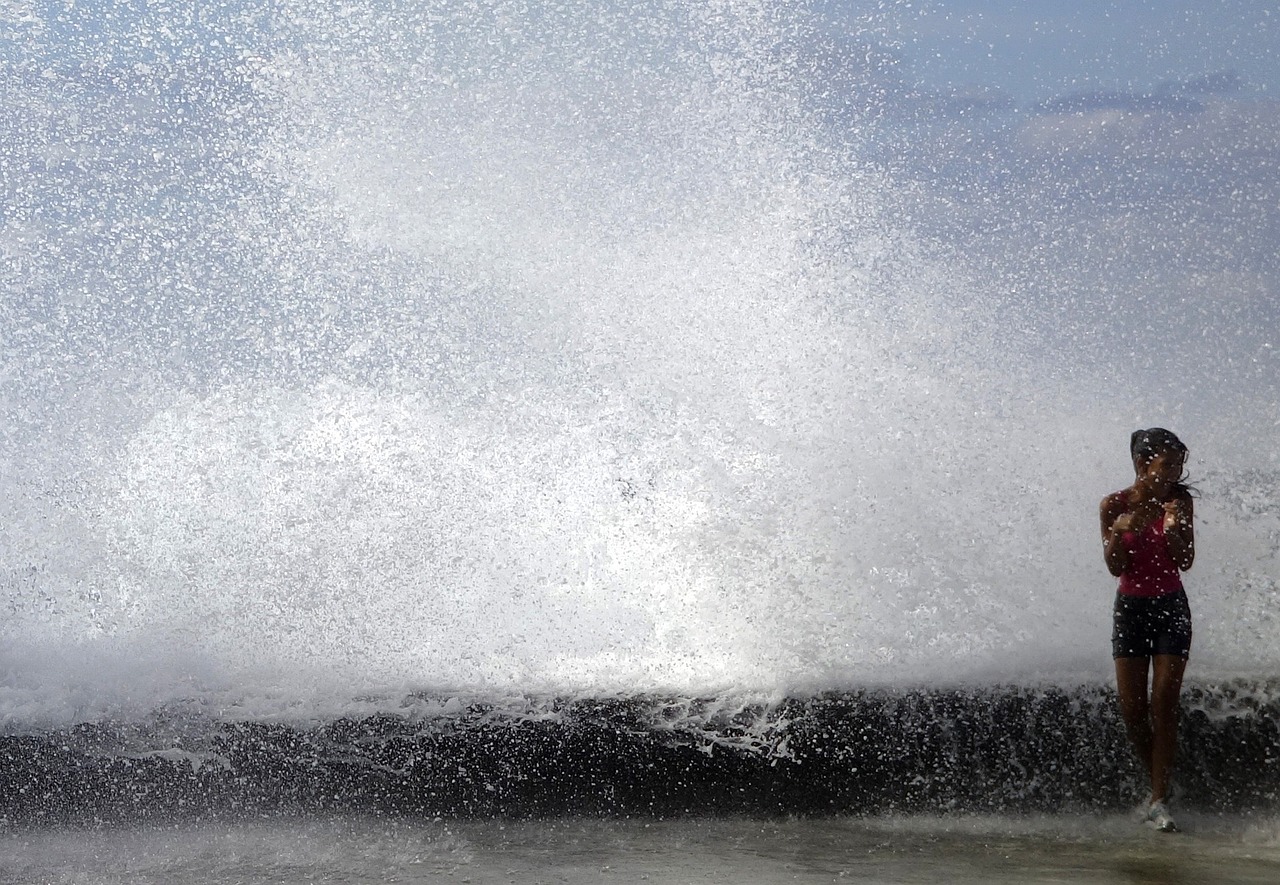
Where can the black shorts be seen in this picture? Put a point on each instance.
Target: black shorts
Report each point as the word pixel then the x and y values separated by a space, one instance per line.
pixel 1151 625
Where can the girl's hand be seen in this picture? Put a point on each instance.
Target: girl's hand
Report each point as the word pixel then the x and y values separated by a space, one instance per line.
pixel 1137 519
pixel 1174 514
pixel 1123 523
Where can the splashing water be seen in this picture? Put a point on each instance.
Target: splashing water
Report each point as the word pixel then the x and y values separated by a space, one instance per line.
pixel 569 350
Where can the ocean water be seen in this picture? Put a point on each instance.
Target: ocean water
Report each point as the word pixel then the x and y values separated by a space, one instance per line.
pixel 567 424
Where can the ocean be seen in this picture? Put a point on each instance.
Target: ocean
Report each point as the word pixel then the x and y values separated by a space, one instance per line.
pixel 508 444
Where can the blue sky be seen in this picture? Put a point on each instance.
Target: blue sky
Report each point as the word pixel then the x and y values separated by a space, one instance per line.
pixel 1041 48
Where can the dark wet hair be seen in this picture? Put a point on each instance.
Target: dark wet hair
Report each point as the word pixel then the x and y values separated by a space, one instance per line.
pixel 1145 445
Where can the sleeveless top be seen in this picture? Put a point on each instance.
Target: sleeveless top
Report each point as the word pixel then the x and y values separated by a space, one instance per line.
pixel 1152 571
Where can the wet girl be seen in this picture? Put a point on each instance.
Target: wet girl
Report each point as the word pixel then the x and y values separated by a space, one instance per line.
pixel 1148 540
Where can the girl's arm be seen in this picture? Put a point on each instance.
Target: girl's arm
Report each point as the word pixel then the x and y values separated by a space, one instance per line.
pixel 1179 531
pixel 1114 524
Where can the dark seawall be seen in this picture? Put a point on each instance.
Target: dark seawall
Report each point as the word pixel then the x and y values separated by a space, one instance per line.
pixel 1002 749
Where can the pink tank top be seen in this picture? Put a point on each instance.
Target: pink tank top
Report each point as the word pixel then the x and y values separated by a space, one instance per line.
pixel 1152 571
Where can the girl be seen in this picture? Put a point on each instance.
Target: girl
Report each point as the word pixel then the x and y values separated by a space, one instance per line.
pixel 1148 540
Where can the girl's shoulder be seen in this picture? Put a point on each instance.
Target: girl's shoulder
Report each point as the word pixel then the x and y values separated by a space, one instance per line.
pixel 1118 499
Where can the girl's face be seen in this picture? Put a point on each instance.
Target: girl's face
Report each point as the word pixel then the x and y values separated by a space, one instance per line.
pixel 1163 470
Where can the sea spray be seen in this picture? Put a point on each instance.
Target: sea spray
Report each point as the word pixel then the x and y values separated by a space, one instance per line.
pixel 579 351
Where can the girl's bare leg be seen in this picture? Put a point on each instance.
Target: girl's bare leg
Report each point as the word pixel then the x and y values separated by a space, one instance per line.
pixel 1166 688
pixel 1131 687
